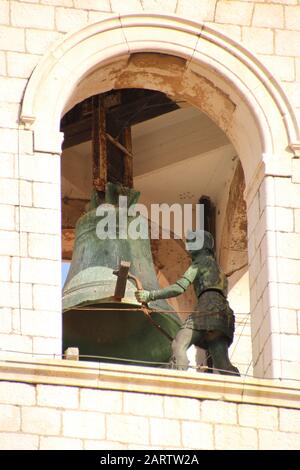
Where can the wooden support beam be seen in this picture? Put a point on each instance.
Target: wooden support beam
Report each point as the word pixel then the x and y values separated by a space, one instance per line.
pixel 119 145
pixel 99 144
pixel 124 107
pixel 128 160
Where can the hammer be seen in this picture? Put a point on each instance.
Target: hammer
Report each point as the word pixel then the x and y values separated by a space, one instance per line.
pixel 124 274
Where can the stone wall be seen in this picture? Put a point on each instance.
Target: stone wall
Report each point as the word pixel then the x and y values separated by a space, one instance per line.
pixel 269 29
pixel 39 416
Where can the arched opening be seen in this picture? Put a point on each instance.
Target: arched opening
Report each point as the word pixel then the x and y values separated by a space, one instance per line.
pixel 179 155
pixel 204 69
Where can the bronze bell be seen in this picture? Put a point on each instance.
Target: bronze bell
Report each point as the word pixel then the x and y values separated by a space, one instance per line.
pixel 103 327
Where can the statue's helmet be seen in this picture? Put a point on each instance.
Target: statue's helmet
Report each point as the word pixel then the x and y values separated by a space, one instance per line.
pixel 207 242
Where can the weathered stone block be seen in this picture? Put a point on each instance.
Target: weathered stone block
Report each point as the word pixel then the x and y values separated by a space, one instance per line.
pixel 287 194
pixel 166 431
pixel 290 351
pixel 182 408
pixel 263 417
pixel 4 12
pixel 288 245
pixel 21 65
pixel 7 217
pixel 60 443
pixel 127 429
pixel 17 393
pixel 101 400
pixel 50 347
pixel 15 343
pixel 40 220
pixel 40 167
pixel 12 89
pixel 3 63
pixel 9 418
pixel 235 437
pixel 12 39
pixel 234 12
pixel 199 11
pixel 296 168
pixel 297 220
pixel 197 435
pixel 270 440
pixel 41 421
pixel 143 405
pixel 38 41
pixel 68 19
pixel 292 17
pixel 286 43
pixel 289 420
pixel 46 195
pixel 218 412
pixel 14 441
pixel 158 5
pixel 32 16
pixel 288 270
pixel 258 40
pixel 83 424
pixel 57 396
pixel 38 271
pixel 287 321
pixel 40 323
pixel 25 193
pixel 7 164
pixel 5 321
pixel 9 294
pixel 44 246
pixel 47 298
pixel 102 5
pixel 269 16
pixel 233 31
pixel 59 3
pixel 8 139
pixel 105 445
pixel 284 219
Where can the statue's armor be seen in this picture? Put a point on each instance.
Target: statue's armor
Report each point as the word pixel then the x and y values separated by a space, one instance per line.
pixel 213 315
pixel 212 311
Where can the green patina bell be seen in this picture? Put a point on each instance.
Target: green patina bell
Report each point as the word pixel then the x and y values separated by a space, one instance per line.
pixel 93 319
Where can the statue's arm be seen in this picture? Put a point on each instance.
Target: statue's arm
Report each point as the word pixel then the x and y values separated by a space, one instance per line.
pixel 179 287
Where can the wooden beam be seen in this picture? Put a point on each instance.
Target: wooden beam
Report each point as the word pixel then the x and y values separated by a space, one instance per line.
pixel 128 160
pixel 78 126
pixel 120 146
pixel 99 144
pixel 150 106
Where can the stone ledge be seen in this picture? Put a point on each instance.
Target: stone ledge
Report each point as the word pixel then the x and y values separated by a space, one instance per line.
pixel 149 380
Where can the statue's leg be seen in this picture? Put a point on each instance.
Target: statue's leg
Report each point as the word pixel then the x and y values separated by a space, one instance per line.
pixel 218 348
pixel 181 343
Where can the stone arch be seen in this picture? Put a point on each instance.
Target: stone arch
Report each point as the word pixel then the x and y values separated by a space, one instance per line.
pixel 205 68
pixel 254 111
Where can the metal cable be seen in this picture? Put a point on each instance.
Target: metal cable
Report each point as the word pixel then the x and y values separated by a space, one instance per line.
pixel 166 364
pixel 138 309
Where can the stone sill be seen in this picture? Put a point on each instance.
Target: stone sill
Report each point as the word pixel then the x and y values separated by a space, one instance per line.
pixel 149 380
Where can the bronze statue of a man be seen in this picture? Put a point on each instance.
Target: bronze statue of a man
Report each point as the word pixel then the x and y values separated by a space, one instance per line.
pixel 211 326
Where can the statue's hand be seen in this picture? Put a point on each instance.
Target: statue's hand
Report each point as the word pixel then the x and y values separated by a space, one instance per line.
pixel 142 296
